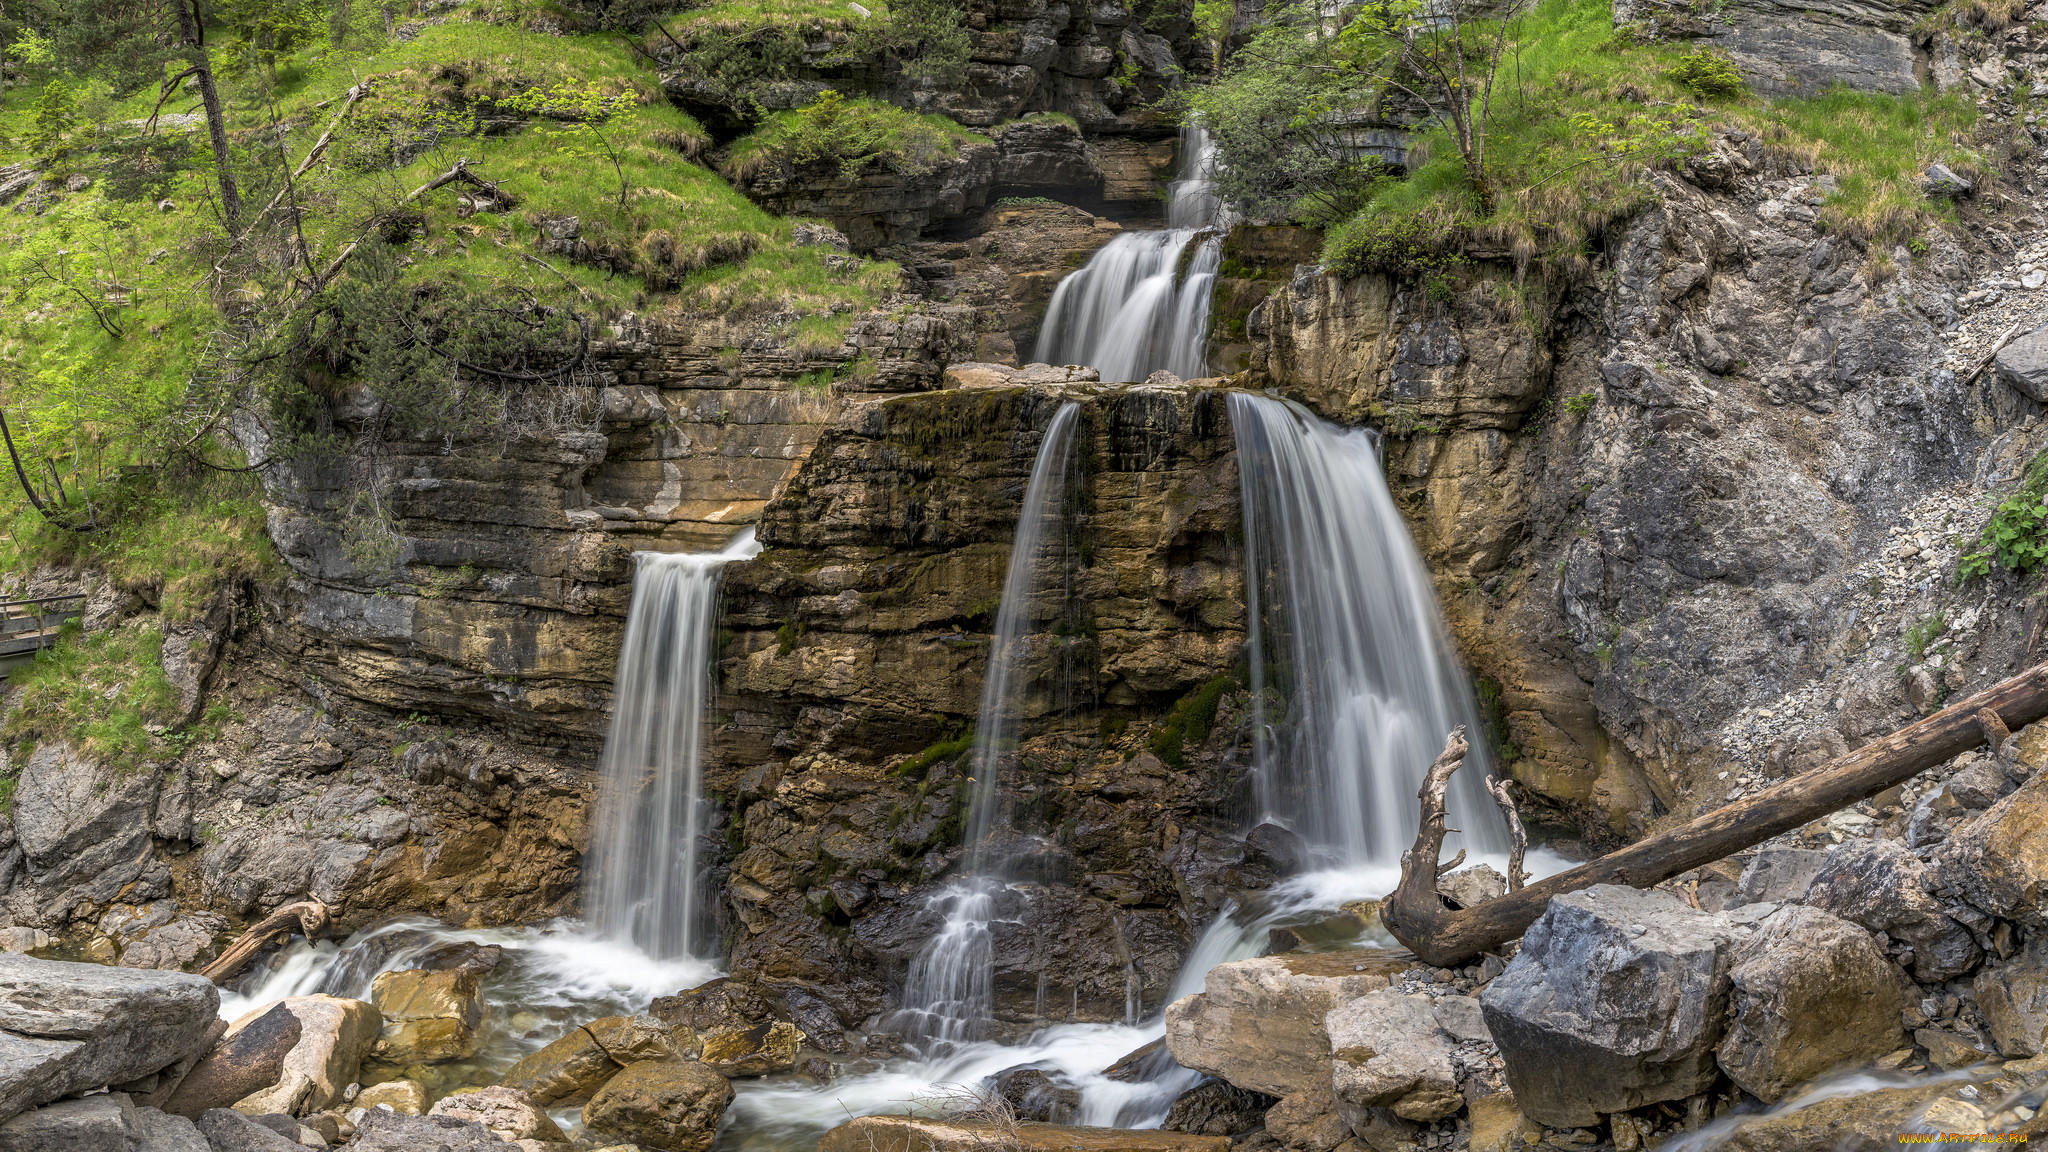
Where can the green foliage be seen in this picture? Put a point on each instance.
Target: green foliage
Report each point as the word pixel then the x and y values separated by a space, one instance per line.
pixel 1580 404
pixel 267 31
pixel 1189 721
pixel 855 134
pixel 2016 538
pixel 1926 632
pixel 923 39
pixel 920 765
pixel 56 111
pixel 581 114
pixel 103 693
pixel 1708 73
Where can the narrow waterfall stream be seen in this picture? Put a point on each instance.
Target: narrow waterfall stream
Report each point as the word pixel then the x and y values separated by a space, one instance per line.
pixel 949 994
pixel 1141 304
pixel 642 881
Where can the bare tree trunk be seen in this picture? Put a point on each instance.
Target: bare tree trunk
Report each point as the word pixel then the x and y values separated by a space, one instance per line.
pixel 216 121
pixel 308 916
pixel 1443 936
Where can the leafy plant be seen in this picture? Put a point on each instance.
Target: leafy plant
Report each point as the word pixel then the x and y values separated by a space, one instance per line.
pixel 1926 632
pixel 581 116
pixel 2016 538
pixel 1708 73
pixel 1580 404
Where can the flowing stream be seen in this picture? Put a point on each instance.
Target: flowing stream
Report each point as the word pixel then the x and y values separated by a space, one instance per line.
pixel 949 994
pixel 643 881
pixel 1141 304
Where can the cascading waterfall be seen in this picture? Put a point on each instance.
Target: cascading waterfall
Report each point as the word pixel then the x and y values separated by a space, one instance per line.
pixel 643 885
pixel 1142 303
pixel 1344 628
pixel 949 993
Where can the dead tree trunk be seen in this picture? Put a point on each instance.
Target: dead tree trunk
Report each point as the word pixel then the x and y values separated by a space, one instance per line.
pixel 1444 936
pixel 308 916
pixel 193 37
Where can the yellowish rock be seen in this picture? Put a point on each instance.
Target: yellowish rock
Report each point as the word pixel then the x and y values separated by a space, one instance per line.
pixel 401 1095
pixel 429 1017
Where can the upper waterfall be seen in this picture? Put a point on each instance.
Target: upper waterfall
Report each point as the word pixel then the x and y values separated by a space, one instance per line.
pixel 1141 304
pixel 642 866
pixel 1344 627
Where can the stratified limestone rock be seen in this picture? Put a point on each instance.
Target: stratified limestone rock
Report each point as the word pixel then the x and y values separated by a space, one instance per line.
pixel 248 1059
pixel 1883 886
pixel 2013 994
pixel 668 1105
pixel 1388 1052
pixel 507 1113
pixel 879 208
pixel 69 1028
pixel 105 1123
pixel 1616 1000
pixel 1260 1024
pixel 83 826
pixel 914 1134
pixel 335 1035
pixel 1811 993
pixel 429 1017
pixel 1998 861
pixel 381 1131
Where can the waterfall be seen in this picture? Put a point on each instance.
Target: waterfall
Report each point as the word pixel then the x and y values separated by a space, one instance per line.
pixel 1344 629
pixel 949 994
pixel 643 882
pixel 1142 303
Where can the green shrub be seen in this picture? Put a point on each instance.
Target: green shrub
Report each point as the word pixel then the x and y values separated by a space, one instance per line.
pixel 1708 73
pixel 2016 538
pixel 1580 404
pixel 855 134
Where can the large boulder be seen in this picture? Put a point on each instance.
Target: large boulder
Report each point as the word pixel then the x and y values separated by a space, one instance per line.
pixel 567 1071
pixel 1998 861
pixel 1260 1024
pixel 69 1028
pixel 667 1105
pixel 736 1028
pixel 103 1123
pixel 334 1036
pixel 230 1131
pixel 83 826
pixel 1389 1052
pixel 430 1017
pixel 916 1134
pixel 2023 365
pixel 2014 998
pixel 1810 992
pixel 508 1113
pixel 1616 1000
pixel 1774 875
pixel 1881 885
pixel 246 1060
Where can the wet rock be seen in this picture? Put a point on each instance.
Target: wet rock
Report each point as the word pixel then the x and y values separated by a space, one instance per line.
pixel 1035 1094
pixel 230 1131
pixel 1216 1108
pixel 429 1017
pixel 757 1051
pixel 401 1095
pixel 668 1105
pixel 1614 1001
pixel 1882 886
pixel 381 1131
pixel 335 1035
pixel 1499 1126
pixel 1811 993
pixel 105 1123
pixel 1950 1049
pixel 1259 1024
pixel 248 1059
pixel 915 1134
pixel 506 1112
pixel 1775 875
pixel 2013 995
pixel 68 1028
pixel 736 1028
pixel 1998 861
pixel 1388 1052
pixel 567 1071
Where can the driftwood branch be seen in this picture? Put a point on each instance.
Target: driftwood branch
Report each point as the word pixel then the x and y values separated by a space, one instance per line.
pixel 1997 346
pixel 1444 936
pixel 1518 839
pixel 308 916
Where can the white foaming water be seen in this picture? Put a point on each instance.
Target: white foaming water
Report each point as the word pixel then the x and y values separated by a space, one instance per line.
pixel 1344 628
pixel 949 993
pixel 551 978
pixel 1141 304
pixel 643 883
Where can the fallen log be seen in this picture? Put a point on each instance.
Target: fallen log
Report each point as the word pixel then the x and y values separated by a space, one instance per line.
pixel 1418 917
pixel 308 916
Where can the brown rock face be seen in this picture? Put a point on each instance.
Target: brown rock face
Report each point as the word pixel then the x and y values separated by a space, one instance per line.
pixel 667 1105
pixel 429 1017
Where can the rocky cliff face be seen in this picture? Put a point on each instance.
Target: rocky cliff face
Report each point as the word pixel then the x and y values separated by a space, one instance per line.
pixel 1649 503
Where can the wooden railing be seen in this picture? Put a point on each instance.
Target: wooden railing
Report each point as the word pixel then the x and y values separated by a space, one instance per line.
pixel 32 624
